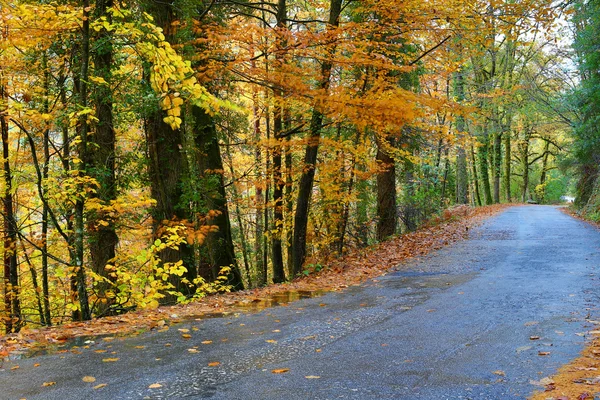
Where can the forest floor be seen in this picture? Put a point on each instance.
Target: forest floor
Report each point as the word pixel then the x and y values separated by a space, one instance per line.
pixel 339 273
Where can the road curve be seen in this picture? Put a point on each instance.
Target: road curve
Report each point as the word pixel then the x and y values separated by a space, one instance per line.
pixel 464 323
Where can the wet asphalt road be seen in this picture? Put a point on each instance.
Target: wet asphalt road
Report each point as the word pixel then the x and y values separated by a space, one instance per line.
pixel 457 327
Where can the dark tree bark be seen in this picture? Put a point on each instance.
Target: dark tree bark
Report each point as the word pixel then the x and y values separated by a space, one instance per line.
pixel 13 320
pixel 462 177
pixel 219 243
pixel 310 158
pixel 483 153
pixel 507 166
pixel 497 165
pixel 386 194
pixel 79 236
pixel 103 238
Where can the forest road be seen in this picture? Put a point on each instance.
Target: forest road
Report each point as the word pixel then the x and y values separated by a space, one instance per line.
pixel 463 324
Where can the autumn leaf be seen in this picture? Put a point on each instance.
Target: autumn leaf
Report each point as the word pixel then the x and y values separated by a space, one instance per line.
pixel 280 370
pixel 155 386
pixel 110 359
pixel 88 379
pixel 206 342
pixel 100 386
pixel 214 364
pixel 192 350
pixel 186 336
pixel 271 341
pixel 48 384
pixel 312 377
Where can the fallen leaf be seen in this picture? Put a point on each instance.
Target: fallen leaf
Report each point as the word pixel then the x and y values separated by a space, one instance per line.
pixel 543 353
pixel 100 386
pixel 206 342
pixel 193 351
pixel 36 365
pixel 214 364
pixel 186 336
pixel 139 347
pixel 110 359
pixel 534 337
pixel 280 370
pixel 48 383
pixel 499 373
pixel 88 379
pixel 183 330
pixel 312 377
pixel 155 386
pixel 99 351
pixel 15 367
pixel 271 341
pixel 275 331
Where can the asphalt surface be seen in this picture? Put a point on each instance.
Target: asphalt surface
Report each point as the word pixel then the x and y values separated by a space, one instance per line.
pixel 458 326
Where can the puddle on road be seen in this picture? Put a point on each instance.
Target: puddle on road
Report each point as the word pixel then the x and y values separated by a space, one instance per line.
pixel 278 299
pixel 79 343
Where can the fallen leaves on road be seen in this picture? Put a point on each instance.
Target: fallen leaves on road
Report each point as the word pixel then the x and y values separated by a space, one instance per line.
pixel 88 379
pixel 45 384
pixel 312 377
pixel 100 386
pixel 280 370
pixel 113 359
pixel 155 386
pixel 214 364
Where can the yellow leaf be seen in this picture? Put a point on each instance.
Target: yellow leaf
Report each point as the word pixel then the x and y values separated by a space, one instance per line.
pixel 100 386
pixel 99 351
pixel 312 377
pixel 155 386
pixel 193 351
pixel 139 347
pixel 110 359
pixel 214 364
pixel 88 379
pixel 271 341
pixel 206 342
pixel 280 370
pixel 183 330
pixel 15 367
pixel 48 383
pixel 186 336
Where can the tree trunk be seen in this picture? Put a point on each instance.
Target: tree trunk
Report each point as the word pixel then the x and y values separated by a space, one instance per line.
pixel 220 242
pixel 310 158
pixel 79 239
pixel 386 195
pixel 475 177
pixel 483 153
pixel 497 165
pixel 462 177
pixel 45 209
pixel 507 166
pixel 103 238
pixel 13 320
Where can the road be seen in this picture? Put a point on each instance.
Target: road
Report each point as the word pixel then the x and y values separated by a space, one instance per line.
pixel 462 324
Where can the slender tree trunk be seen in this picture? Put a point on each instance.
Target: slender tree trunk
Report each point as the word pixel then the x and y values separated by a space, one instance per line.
pixel 507 166
pixel 240 222
pixel 462 177
pixel 475 177
pixel 310 158
pixel 497 165
pixel 45 210
pixel 278 183
pixel 482 154
pixel 524 147
pixel 258 200
pixel 13 320
pixel 79 237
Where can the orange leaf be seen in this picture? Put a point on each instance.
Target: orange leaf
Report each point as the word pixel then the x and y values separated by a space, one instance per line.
pixel 280 371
